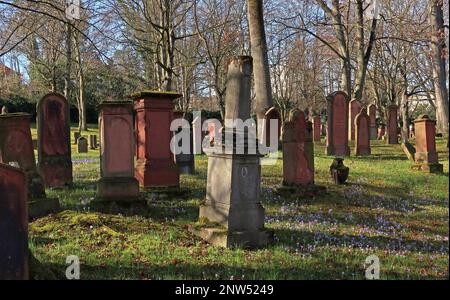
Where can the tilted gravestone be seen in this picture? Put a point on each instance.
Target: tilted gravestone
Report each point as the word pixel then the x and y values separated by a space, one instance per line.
pixel 54 150
pixel 362 134
pixel 355 109
pixel 117 150
pixel 392 125
pixel 426 156
pixel 16 146
pixel 13 224
pixel 155 167
pixel 337 126
pixel 232 215
pixel 372 112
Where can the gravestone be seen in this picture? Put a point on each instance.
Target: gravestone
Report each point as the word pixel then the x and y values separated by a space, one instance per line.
pixel 155 167
pixel 409 150
pixel 4 110
pixel 232 215
pixel 185 161
pixel 93 141
pixel 372 112
pixel 13 224
pixel 337 125
pixel 362 134
pixel 16 147
pixel 317 125
pixel 211 133
pixel 355 109
pixel 271 114
pixel 82 145
pixel 54 150
pixel 198 135
pixel 76 136
pixel 392 127
pixel 426 156
pixel 117 148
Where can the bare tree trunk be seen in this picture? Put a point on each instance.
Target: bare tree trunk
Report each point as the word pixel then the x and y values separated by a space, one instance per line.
pixel 67 83
pixel 82 123
pixel 405 117
pixel 439 66
pixel 263 88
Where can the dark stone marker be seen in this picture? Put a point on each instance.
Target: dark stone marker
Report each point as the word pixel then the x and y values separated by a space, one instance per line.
pixel 426 156
pixel 392 127
pixel 82 145
pixel 54 150
pixel 16 146
pixel 93 141
pixel 76 136
pixel 117 146
pixel 185 161
pixel 337 127
pixel 13 224
pixel 317 127
pixel 362 134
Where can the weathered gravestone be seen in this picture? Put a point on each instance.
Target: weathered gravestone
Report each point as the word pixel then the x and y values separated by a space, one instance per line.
pixel 232 215
pixel 93 141
pixel 317 125
pixel 392 127
pixel 82 145
pixel 337 126
pixel 426 156
pixel 155 168
pixel 355 109
pixel 184 160
pixel 362 134
pixel 271 114
pixel 76 136
pixel 117 148
pixel 16 146
pixel 54 150
pixel 372 112
pixel 13 224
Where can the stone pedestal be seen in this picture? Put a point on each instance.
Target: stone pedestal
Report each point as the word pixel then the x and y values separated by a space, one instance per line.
pixel 54 150
pixel 117 146
pixel 372 112
pixel 362 134
pixel 392 126
pixel 355 109
pixel 317 127
pixel 232 215
pixel 426 156
pixel 155 167
pixel 16 146
pixel 337 126
pixel 13 224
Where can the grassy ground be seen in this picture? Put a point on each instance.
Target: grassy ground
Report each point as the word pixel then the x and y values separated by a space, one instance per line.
pixel 385 210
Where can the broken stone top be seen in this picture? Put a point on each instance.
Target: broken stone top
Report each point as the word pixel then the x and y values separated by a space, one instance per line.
pixel 156 94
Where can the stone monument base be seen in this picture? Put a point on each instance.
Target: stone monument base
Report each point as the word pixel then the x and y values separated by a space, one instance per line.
pixel 224 238
pixel 38 208
pixel 117 189
pixel 429 168
pixel 300 191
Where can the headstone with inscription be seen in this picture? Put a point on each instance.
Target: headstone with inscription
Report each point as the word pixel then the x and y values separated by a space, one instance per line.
pixel 362 134
pixel 337 126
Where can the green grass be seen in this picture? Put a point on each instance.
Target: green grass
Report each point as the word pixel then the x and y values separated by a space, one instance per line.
pixel 385 210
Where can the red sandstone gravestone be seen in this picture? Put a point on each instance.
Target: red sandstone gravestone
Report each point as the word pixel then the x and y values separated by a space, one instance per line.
pixel 155 166
pixel 362 134
pixel 117 148
pixel 355 108
pixel 54 150
pixel 392 127
pixel 426 156
pixel 317 124
pixel 337 126
pixel 372 112
pixel 13 224
pixel 16 146
pixel 298 160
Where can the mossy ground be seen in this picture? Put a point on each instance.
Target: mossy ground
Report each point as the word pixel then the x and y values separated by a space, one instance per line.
pixel 385 210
